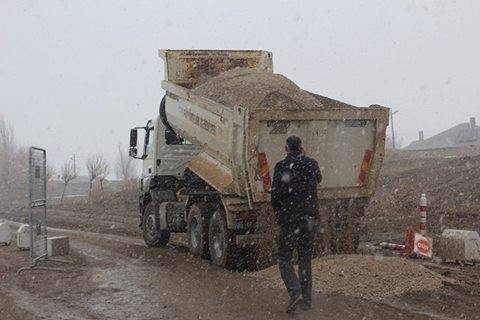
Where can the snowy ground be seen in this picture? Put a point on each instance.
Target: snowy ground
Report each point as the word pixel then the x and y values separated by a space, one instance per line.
pixel 114 276
pixel 117 277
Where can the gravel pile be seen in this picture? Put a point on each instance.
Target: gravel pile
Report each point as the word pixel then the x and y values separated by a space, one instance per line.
pixel 369 277
pixel 253 89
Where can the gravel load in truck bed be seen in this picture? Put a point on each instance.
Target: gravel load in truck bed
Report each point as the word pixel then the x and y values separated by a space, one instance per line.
pixel 368 277
pixel 257 89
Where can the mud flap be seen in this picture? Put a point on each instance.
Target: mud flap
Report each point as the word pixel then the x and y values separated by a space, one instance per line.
pixel 340 227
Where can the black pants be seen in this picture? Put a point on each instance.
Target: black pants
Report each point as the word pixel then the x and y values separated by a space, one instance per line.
pixel 298 236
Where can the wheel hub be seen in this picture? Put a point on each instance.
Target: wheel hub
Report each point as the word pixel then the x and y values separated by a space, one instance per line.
pixel 217 242
pixel 194 234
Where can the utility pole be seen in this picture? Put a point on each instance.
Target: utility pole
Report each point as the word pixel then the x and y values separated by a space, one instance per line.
pixel 391 124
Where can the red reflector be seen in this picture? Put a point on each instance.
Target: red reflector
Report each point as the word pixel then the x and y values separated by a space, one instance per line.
pixel 264 171
pixel 367 160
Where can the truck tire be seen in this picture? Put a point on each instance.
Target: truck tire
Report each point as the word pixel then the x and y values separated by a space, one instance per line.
pixel 221 241
pixel 152 236
pixel 197 231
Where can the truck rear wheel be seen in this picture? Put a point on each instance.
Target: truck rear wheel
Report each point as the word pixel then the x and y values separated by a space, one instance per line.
pixel 197 231
pixel 221 241
pixel 152 235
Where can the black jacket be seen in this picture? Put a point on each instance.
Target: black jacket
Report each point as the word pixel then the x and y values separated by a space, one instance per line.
pixel 294 189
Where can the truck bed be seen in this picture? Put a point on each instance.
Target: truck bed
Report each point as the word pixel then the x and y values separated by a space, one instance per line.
pixel 340 139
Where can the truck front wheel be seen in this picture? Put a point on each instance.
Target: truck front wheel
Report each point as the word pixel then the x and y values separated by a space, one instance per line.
pixel 221 241
pixel 152 235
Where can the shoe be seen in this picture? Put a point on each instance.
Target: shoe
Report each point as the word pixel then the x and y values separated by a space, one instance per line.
pixel 306 306
pixel 292 305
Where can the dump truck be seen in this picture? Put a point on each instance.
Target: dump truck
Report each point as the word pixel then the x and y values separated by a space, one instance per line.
pixel 209 154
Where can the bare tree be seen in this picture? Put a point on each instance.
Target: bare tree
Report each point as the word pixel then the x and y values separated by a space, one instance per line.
pixel 67 174
pixel 97 167
pixel 103 176
pixel 8 148
pixel 124 165
pixel 13 165
pixel 50 172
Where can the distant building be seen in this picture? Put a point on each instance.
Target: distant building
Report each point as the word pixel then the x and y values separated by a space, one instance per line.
pixel 467 133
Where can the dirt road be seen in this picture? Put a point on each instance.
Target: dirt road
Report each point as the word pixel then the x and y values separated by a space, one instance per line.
pixel 117 277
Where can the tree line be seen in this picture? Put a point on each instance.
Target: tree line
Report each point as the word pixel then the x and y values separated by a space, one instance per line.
pixel 14 167
pixel 98 169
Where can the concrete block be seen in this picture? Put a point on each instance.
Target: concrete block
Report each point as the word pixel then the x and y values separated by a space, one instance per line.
pixel 459 245
pixel 58 246
pixel 5 234
pixel 23 237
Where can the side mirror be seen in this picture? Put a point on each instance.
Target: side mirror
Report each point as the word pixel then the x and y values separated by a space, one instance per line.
pixel 132 152
pixel 133 139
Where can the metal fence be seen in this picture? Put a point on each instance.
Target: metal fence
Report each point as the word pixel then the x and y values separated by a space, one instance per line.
pixel 37 217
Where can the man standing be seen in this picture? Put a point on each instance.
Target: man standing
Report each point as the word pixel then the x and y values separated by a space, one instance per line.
pixel 295 203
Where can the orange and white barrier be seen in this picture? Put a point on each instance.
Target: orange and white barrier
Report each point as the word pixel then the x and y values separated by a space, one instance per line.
pixel 416 244
pixel 423 214
pixel 392 246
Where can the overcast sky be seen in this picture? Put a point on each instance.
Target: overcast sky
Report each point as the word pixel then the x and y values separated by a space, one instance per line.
pixel 76 75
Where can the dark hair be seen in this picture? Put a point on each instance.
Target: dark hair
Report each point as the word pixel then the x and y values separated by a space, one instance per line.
pixel 294 144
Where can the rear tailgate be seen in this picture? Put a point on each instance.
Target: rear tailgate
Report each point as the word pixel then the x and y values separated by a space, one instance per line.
pixel 348 145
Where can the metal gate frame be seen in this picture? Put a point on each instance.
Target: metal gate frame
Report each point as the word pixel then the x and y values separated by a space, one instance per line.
pixel 37 216
pixel 37 193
